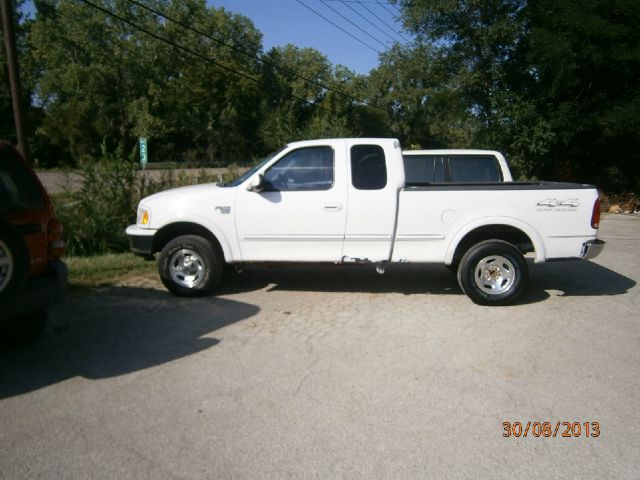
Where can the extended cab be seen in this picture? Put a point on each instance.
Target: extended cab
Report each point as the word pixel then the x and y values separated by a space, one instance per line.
pixel 350 201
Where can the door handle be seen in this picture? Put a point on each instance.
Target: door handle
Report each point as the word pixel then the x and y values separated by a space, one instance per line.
pixel 333 207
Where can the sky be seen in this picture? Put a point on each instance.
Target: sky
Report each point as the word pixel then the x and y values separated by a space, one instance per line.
pixel 290 21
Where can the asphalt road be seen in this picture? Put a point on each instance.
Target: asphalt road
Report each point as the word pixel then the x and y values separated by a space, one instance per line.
pixel 335 373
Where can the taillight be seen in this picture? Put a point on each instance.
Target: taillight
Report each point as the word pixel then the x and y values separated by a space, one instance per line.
pixel 54 239
pixel 595 216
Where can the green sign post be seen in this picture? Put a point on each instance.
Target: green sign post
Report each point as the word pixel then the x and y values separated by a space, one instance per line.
pixel 142 143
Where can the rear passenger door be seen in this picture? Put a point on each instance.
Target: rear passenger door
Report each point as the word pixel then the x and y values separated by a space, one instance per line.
pixel 373 198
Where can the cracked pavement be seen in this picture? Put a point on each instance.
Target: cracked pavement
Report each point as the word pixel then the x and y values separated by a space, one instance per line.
pixel 334 372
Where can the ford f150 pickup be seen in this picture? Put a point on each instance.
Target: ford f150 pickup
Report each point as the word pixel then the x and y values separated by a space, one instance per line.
pixel 362 201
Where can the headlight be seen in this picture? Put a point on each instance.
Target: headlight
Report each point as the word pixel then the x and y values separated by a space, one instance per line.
pixel 143 216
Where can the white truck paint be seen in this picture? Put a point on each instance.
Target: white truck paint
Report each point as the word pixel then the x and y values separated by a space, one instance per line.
pixel 347 200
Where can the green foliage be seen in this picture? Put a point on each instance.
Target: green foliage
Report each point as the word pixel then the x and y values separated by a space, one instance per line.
pixel 554 83
pixel 96 215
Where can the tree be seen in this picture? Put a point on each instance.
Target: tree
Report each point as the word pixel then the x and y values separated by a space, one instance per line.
pixel 552 82
pixel 102 79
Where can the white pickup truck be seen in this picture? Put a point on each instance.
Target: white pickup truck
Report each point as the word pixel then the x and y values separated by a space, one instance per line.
pixel 361 200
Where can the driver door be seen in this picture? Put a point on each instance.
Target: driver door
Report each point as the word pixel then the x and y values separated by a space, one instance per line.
pixel 300 215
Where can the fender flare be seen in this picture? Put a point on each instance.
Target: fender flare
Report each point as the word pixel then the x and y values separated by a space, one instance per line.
pixel 203 222
pixel 536 239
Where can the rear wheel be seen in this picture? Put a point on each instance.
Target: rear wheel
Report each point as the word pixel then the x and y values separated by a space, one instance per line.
pixel 493 272
pixel 190 266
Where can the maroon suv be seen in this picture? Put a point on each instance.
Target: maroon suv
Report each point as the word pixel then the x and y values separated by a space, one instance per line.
pixel 32 276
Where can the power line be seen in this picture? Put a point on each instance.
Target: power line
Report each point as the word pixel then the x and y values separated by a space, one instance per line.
pixel 191 52
pixel 198 55
pixel 352 23
pixel 338 27
pixel 360 1
pixel 347 4
pixel 384 5
pixel 255 57
pixel 382 21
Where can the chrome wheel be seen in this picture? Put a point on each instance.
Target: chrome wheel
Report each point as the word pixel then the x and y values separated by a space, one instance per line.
pixel 495 274
pixel 187 268
pixel 6 265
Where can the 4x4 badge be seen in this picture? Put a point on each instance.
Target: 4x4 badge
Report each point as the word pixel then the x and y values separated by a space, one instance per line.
pixel 554 202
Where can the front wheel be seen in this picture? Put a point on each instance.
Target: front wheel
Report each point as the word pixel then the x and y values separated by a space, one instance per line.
pixel 493 272
pixel 190 266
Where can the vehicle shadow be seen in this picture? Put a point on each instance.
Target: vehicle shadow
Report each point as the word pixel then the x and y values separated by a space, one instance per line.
pixel 579 278
pixel 399 278
pixel 115 332
pixel 573 278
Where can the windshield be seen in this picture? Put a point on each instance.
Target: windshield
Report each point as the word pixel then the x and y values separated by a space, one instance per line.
pixel 251 171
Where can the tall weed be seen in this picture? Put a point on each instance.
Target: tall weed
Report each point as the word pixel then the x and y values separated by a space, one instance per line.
pixel 96 214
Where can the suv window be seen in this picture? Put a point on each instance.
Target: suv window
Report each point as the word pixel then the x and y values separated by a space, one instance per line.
pixel 303 169
pixel 466 168
pixel 368 167
pixel 18 191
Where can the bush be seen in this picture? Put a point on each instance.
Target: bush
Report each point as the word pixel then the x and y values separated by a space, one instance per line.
pixel 95 215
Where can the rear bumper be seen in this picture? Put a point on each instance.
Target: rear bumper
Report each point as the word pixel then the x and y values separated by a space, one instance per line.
pixel 140 240
pixel 39 292
pixel 592 249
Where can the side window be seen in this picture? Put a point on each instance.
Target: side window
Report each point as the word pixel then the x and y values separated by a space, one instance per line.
pixel 368 167
pixel 474 169
pixel 18 189
pixel 419 169
pixel 303 169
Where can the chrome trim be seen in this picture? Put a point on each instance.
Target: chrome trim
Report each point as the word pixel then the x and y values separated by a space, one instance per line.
pixel 591 249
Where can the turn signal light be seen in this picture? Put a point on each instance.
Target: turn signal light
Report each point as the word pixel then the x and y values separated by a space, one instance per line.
pixel 54 239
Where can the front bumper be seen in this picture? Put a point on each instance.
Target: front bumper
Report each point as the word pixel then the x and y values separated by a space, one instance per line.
pixel 39 292
pixel 592 248
pixel 140 240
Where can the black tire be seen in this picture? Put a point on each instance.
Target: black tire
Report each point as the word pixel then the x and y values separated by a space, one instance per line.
pixel 24 329
pixel 14 261
pixel 190 266
pixel 493 272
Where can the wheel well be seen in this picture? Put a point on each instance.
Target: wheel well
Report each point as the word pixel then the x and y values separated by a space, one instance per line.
pixel 173 230
pixel 507 233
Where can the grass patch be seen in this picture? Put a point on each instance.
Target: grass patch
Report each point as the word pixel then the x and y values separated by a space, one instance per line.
pixel 86 273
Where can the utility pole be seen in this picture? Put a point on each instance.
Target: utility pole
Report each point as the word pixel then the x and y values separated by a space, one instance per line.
pixel 14 76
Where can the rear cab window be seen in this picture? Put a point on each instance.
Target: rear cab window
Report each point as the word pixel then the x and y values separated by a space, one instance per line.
pixel 18 189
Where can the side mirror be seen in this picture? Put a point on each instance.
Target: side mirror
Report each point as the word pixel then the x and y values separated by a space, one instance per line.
pixel 256 184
